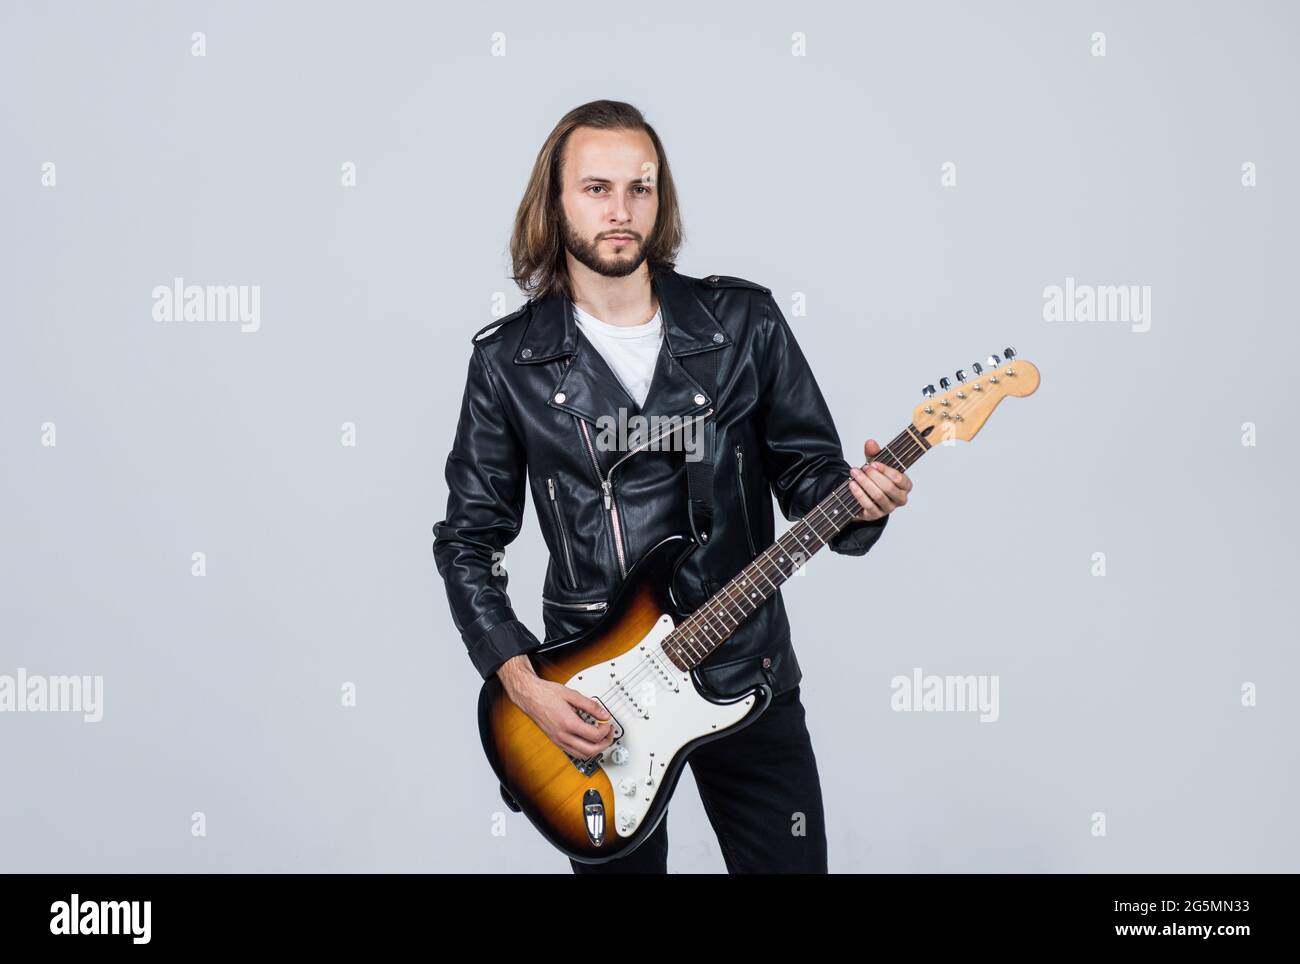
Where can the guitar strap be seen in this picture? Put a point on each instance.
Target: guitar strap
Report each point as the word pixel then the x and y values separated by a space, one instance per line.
pixel 703 367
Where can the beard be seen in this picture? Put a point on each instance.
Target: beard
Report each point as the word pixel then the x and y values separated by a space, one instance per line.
pixel 588 253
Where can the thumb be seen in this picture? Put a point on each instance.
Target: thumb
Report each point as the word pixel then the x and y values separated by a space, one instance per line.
pixel 871 449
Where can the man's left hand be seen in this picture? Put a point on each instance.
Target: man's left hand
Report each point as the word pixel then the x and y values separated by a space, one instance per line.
pixel 881 489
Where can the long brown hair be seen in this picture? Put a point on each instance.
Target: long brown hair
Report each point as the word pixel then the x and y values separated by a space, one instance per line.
pixel 536 243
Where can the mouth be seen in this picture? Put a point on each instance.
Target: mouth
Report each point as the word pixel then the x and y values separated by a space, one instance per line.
pixel 619 238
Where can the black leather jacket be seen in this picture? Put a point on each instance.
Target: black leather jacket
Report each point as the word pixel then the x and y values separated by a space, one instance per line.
pixel 534 392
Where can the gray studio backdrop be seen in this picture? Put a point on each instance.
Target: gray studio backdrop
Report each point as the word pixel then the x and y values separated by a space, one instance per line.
pixel 224 526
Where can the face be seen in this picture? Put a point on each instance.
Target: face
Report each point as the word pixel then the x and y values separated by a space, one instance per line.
pixel 608 198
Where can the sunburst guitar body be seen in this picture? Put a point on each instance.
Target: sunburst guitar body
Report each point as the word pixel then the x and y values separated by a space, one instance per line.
pixel 596 810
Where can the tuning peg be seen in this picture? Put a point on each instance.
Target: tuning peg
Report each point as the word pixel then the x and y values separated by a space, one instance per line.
pixel 976 367
pixel 961 374
pixel 1008 353
pixel 928 391
pixel 993 361
pixel 943 384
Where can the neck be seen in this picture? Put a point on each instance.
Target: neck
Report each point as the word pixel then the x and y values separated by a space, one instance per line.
pixel 615 301
pixel 713 623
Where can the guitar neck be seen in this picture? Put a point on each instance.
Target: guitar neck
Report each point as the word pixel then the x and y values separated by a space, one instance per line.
pixel 713 623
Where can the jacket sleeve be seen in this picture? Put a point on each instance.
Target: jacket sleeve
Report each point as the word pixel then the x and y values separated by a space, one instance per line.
pixel 801 450
pixel 485 501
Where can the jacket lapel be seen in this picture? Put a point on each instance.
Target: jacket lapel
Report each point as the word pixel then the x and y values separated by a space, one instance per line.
pixel 588 388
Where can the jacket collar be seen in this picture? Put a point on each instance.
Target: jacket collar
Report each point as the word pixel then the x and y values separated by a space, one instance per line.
pixel 589 389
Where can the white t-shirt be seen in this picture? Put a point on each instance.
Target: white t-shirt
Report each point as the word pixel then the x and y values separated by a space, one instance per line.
pixel 631 351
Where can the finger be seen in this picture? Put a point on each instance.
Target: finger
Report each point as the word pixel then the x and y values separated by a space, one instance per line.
pixel 588 730
pixel 900 478
pixel 578 742
pixel 604 738
pixel 889 471
pixel 875 494
pixel 886 485
pixel 896 495
pixel 872 481
pixel 869 509
pixel 871 449
pixel 900 484
pixel 580 749
pixel 586 703
pixel 855 487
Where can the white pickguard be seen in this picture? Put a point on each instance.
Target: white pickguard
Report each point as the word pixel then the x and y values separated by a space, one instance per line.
pixel 659 711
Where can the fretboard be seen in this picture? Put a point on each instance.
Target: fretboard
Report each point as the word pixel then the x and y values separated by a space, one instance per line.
pixel 713 623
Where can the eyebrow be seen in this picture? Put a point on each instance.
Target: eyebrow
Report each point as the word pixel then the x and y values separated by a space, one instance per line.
pixel 591 179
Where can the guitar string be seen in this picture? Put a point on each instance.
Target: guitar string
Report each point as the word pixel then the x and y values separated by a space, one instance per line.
pixel 649 664
pixel 616 698
pixel 730 593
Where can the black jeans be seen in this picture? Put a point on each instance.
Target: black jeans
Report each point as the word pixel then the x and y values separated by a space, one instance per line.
pixel 762 794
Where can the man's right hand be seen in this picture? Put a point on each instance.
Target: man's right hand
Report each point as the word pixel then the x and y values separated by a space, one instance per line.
pixel 554 708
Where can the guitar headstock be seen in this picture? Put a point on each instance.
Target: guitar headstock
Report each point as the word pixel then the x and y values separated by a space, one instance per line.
pixel 960 410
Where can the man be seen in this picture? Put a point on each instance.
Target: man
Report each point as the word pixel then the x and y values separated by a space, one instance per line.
pixel 606 334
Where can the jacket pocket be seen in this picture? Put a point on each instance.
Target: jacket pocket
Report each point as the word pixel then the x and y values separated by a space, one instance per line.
pixel 734 676
pixel 584 606
pixel 744 506
pixel 565 550
pixel 566 617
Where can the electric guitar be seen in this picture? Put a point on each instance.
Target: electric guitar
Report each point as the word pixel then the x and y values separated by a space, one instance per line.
pixel 638 661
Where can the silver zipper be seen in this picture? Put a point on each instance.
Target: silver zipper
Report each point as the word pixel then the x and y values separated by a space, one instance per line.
pixel 744 505
pixel 564 537
pixel 607 485
pixel 584 606
pixel 606 488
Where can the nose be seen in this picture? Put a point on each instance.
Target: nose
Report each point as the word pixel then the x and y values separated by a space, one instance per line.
pixel 618 213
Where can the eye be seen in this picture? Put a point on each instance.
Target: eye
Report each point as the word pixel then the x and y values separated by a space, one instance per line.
pixel 643 188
